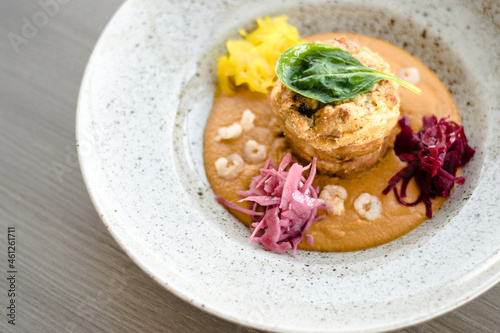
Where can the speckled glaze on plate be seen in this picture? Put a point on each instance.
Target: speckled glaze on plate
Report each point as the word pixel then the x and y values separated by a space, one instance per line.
pixel 143 105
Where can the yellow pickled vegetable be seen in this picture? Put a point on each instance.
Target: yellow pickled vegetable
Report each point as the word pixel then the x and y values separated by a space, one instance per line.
pixel 251 60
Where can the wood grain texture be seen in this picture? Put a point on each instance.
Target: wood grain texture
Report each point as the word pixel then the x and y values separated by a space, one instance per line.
pixel 73 277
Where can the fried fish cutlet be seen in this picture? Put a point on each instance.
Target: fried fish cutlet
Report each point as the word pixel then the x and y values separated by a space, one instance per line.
pixel 347 136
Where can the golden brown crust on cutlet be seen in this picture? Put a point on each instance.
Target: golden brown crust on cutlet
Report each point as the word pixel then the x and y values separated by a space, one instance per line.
pixel 347 136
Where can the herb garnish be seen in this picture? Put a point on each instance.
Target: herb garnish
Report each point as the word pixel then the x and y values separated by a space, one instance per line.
pixel 327 73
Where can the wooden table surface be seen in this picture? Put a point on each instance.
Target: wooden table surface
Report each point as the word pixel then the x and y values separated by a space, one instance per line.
pixel 71 274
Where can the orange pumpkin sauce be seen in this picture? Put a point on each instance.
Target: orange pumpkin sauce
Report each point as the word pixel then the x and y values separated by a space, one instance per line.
pixel 348 232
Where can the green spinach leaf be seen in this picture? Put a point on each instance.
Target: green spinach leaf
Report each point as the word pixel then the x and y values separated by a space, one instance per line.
pixel 327 73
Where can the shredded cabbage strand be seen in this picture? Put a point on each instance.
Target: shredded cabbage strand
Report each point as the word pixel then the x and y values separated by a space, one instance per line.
pixel 434 155
pixel 251 61
pixel 289 201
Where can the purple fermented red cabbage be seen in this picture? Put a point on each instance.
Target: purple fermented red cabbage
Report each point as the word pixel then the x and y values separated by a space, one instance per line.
pixel 284 205
pixel 434 155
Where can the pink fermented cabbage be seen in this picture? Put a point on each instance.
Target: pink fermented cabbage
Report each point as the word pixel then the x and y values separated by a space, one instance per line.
pixel 289 203
pixel 433 154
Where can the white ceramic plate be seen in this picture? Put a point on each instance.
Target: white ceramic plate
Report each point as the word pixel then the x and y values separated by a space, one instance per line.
pixel 143 105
